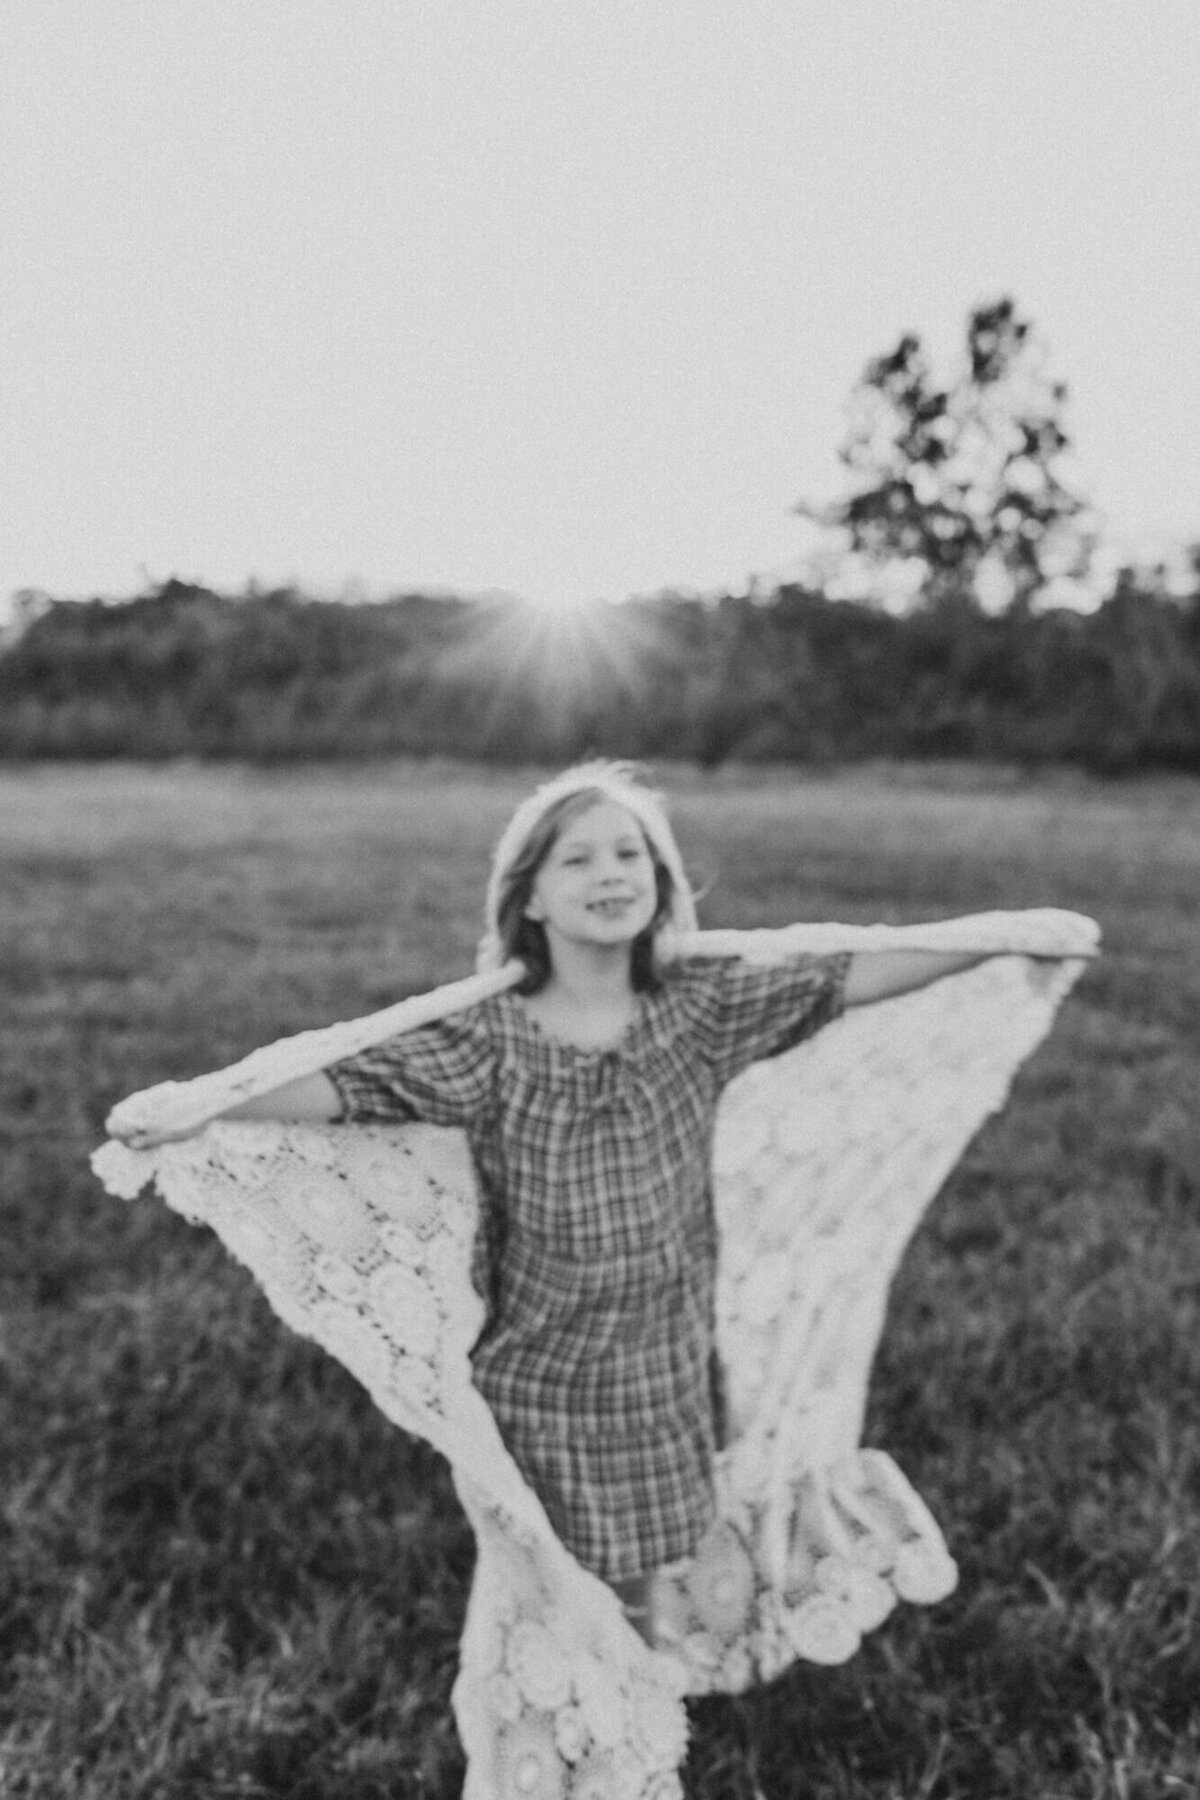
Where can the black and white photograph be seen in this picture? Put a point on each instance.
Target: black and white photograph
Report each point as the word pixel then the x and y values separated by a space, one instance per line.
pixel 599 900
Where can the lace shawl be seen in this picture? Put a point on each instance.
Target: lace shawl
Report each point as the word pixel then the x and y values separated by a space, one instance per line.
pixel 825 1159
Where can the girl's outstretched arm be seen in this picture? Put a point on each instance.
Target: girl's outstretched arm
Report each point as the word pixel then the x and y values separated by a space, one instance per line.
pixel 310 1097
pixel 878 974
pixel 440 1072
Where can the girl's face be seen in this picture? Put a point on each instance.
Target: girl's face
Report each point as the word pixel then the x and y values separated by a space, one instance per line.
pixel 596 885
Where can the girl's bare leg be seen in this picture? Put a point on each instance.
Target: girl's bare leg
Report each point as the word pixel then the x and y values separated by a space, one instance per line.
pixel 634 1596
pixel 719 1762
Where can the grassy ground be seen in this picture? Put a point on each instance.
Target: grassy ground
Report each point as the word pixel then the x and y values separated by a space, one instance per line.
pixel 222 1574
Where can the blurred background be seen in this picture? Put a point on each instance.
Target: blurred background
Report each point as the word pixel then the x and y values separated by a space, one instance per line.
pixel 801 398
pixel 506 381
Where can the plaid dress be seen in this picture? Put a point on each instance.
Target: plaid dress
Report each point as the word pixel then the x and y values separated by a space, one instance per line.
pixel 596 1253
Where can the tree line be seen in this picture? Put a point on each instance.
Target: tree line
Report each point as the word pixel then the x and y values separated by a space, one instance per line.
pixel 789 676
pixel 960 485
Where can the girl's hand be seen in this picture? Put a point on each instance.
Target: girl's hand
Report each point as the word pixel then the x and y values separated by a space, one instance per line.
pixel 144 1120
pixel 145 1137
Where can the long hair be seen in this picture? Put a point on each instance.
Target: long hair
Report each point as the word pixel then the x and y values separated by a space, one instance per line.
pixel 525 938
pixel 527 840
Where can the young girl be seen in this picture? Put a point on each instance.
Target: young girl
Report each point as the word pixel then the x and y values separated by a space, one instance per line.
pixel 588 1094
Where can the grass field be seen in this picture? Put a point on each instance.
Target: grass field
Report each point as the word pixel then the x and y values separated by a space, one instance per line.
pixel 223 1574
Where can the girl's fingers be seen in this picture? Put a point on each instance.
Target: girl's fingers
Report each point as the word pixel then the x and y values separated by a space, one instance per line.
pixel 138 1138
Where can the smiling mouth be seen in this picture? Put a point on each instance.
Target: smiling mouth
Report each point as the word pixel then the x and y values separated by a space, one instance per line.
pixel 610 908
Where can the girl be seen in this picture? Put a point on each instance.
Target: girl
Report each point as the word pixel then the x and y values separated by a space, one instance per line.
pixel 588 1093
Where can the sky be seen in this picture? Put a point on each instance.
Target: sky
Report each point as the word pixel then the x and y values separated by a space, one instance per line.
pixel 560 299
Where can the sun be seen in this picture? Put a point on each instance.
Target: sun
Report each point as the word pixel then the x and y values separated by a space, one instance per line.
pixel 562 605
pixel 560 656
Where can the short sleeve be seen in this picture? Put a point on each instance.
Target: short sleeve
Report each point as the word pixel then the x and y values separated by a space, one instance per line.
pixel 760 1010
pixel 440 1073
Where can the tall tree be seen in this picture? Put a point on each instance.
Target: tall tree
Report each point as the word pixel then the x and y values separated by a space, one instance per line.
pixel 964 482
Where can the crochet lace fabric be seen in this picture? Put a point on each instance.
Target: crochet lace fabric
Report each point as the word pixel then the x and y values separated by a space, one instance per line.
pixel 825 1159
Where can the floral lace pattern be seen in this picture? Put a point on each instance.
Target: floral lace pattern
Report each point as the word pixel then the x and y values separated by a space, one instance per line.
pixel 825 1159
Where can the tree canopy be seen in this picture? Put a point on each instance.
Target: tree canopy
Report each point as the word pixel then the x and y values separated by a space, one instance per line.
pixel 964 481
pixel 789 676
